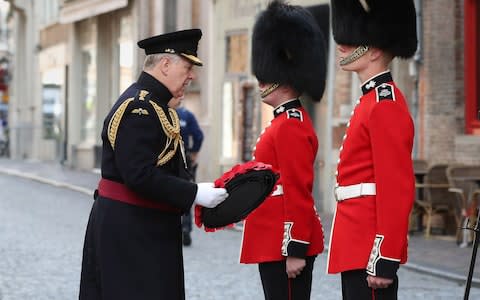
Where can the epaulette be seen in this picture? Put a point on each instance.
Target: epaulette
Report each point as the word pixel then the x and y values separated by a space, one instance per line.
pixel 385 92
pixel 142 95
pixel 295 114
pixel 115 121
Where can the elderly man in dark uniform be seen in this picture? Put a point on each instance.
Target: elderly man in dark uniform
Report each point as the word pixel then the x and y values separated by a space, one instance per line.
pixel 133 242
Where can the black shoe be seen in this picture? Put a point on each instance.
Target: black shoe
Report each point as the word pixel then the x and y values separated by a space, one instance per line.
pixel 187 240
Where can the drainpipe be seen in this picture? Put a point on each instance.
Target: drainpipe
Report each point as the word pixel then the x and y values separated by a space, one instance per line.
pixel 328 177
pixel 415 66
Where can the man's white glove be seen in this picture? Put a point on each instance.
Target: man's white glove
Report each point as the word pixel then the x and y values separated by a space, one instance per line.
pixel 209 196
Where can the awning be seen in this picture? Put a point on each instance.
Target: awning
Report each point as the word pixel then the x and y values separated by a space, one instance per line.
pixel 76 10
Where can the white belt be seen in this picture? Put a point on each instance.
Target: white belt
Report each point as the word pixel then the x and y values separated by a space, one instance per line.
pixel 278 190
pixel 354 191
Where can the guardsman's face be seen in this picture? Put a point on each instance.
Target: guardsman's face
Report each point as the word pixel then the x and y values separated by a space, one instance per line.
pixel 181 74
pixel 356 65
pixel 274 97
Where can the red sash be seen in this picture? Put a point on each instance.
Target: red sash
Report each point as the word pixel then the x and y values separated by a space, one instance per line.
pixel 119 192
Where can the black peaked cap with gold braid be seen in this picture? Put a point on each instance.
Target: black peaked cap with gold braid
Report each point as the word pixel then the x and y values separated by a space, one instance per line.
pixel 183 43
pixel 388 25
pixel 288 47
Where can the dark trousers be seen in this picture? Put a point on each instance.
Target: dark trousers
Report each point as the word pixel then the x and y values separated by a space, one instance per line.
pixel 355 287
pixel 187 221
pixel 277 285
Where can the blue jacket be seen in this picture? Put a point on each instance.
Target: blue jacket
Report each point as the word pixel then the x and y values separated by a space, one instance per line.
pixel 191 133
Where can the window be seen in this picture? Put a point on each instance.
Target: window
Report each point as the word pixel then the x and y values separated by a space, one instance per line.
pixel 237 53
pixel 88 37
pixel 472 67
pixel 126 50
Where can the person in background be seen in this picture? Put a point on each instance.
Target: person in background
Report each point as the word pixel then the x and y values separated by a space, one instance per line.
pixel 192 137
pixel 375 181
pixel 284 234
pixel 133 241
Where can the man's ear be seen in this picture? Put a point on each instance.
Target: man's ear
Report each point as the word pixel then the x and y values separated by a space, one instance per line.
pixel 164 65
pixel 375 54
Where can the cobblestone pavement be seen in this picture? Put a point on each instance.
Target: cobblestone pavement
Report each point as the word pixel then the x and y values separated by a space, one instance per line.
pixel 212 272
pixel 41 237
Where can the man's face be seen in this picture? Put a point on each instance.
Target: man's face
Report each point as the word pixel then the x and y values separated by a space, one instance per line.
pixel 180 74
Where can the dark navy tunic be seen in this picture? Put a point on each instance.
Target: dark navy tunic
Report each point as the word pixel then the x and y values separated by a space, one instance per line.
pixel 134 252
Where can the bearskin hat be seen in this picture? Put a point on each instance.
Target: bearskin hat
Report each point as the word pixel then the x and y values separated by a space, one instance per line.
pixel 288 47
pixel 388 25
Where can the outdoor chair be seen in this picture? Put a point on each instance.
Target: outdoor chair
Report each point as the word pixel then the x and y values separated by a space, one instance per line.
pixel 437 204
pixel 464 184
pixel 420 167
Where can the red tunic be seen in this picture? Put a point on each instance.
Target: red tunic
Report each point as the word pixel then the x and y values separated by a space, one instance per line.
pixel 286 224
pixel 370 232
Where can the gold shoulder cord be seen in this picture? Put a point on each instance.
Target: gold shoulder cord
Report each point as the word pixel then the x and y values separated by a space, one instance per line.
pixel 115 122
pixel 172 131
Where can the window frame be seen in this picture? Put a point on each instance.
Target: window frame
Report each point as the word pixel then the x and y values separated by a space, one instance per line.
pixel 472 66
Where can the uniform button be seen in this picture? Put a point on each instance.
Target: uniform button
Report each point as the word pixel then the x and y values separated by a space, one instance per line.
pixel 338 161
pixel 341 148
pixel 345 136
pixel 336 173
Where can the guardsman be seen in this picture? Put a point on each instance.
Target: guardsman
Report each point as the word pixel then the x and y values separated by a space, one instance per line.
pixel 375 181
pixel 133 242
pixel 284 234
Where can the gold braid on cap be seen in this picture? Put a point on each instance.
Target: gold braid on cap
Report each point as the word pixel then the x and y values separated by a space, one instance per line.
pixel 172 131
pixel 365 5
pixel 115 122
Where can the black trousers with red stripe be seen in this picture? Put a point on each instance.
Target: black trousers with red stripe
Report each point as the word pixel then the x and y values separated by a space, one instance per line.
pixel 277 285
pixel 355 287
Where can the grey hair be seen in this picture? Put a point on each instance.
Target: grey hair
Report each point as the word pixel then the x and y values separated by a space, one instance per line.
pixel 152 60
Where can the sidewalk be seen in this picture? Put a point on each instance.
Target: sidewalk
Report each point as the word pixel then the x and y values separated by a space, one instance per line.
pixel 436 257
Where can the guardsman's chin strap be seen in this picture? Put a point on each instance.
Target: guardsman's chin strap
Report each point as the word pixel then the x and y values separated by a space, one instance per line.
pixel 356 54
pixel 270 89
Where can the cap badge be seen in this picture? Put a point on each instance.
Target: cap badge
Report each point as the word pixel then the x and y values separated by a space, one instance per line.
pixel 365 5
pixel 168 50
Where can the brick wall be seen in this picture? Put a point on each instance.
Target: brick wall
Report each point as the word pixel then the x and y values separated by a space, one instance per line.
pixel 442 97
pixel 439 86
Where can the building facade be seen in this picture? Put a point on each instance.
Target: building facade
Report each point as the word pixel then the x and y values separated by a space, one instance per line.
pixel 72 58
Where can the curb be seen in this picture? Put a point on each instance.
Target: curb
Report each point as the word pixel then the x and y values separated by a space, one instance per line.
pixel 411 266
pixel 46 181
pixel 441 274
